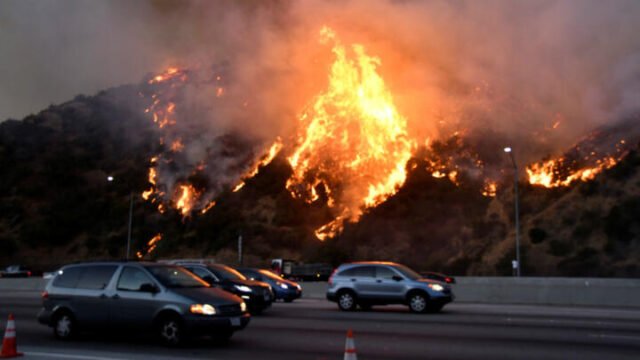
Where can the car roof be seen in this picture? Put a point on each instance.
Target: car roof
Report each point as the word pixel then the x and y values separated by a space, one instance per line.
pixel 120 262
pixel 371 263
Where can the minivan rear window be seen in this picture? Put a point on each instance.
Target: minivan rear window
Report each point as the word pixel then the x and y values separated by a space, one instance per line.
pixel 68 277
pixel 96 277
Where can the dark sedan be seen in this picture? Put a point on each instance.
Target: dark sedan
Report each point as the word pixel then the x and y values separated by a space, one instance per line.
pixel 284 289
pixel 256 294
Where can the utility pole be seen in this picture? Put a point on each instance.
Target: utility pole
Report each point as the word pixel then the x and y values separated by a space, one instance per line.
pixel 240 249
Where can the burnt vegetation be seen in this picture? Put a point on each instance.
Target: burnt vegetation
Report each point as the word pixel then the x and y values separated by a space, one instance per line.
pixel 56 205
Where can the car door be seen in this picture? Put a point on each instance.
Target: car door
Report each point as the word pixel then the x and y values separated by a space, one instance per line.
pixel 132 305
pixel 389 284
pixel 90 301
pixel 364 281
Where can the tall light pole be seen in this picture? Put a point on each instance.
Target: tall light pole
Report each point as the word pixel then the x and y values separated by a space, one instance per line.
pixel 110 179
pixel 517 266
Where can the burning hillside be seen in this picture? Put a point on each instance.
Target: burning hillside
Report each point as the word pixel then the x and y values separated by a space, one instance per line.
pixel 350 150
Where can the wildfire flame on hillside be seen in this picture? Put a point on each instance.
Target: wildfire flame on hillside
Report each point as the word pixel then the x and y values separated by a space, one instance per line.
pixel 565 170
pixel 352 144
pixel 350 151
pixel 152 244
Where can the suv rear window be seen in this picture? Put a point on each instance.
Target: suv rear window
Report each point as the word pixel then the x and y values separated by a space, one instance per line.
pixel 359 271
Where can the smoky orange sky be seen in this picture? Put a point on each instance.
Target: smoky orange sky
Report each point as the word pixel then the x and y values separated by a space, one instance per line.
pixel 518 67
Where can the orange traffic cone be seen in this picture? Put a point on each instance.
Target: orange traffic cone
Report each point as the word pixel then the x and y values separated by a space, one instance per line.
pixel 350 347
pixel 9 345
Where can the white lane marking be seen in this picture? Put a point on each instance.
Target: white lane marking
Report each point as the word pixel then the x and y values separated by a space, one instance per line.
pixel 631 337
pixel 69 356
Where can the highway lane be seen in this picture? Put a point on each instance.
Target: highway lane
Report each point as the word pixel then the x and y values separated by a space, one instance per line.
pixel 315 329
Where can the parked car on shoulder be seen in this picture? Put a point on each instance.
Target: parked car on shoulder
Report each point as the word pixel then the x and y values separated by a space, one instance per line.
pixel 283 289
pixel 257 294
pixel 15 271
pixel 166 299
pixel 371 283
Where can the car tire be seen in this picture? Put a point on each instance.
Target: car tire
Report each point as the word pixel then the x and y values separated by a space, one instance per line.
pixel 64 326
pixel 418 302
pixel 170 330
pixel 288 300
pixel 347 301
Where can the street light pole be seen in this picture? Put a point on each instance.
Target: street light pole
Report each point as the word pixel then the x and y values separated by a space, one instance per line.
pixel 110 179
pixel 130 223
pixel 517 208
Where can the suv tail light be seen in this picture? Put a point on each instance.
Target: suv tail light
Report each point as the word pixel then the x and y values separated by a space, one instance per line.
pixel 331 276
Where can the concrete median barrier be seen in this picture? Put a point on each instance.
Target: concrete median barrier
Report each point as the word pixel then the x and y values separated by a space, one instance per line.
pixel 495 290
pixel 530 290
pixel 35 284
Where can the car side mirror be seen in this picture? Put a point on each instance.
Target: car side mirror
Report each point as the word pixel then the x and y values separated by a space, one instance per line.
pixel 397 278
pixel 150 288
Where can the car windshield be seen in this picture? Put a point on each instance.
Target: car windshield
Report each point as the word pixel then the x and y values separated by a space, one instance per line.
pixel 412 275
pixel 269 274
pixel 176 277
pixel 227 273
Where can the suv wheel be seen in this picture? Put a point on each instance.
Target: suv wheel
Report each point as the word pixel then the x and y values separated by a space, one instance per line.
pixel 418 303
pixel 346 301
pixel 170 330
pixel 64 326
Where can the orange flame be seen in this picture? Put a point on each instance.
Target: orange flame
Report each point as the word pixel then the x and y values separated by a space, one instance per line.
pixel 186 199
pixel 490 188
pixel 151 246
pixel 548 174
pixel 354 142
pixel 171 72
pixel 274 149
pixel 177 146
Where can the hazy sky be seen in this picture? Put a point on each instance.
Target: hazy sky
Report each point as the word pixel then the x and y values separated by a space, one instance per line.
pixel 512 64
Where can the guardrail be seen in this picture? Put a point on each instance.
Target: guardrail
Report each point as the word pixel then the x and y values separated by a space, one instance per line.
pixel 496 290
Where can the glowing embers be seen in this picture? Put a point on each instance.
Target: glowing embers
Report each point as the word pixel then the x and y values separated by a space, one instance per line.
pixel 352 146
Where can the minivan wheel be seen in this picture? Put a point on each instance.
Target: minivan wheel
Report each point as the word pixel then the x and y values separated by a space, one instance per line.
pixel 346 301
pixel 418 303
pixel 170 331
pixel 64 326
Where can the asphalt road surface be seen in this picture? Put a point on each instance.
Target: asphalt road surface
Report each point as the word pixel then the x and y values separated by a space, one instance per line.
pixel 316 329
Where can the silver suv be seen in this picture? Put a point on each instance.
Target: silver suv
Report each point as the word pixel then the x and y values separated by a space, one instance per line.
pixel 380 283
pixel 166 299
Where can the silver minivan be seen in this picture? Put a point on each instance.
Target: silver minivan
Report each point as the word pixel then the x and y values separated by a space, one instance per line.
pixel 165 299
pixel 371 283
